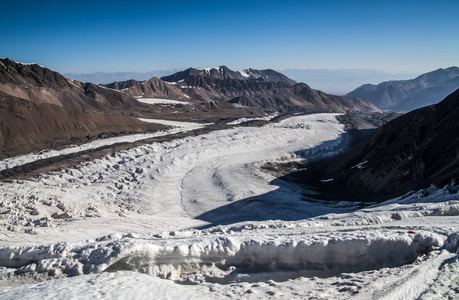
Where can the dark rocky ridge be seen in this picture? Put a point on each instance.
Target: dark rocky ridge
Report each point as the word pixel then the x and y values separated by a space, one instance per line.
pixel 223 72
pixel 154 87
pixel 30 75
pixel 41 85
pixel 424 90
pixel 409 153
pixel 278 96
pixel 262 89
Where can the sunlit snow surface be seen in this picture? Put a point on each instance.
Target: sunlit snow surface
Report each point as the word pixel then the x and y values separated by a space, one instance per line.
pixel 244 120
pixel 176 127
pixel 161 101
pixel 122 227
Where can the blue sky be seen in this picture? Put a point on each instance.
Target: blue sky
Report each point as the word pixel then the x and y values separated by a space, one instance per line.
pixel 89 36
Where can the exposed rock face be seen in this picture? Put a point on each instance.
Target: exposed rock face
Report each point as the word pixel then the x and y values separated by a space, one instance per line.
pixel 41 85
pixel 265 89
pixel 411 152
pixel 268 94
pixel 40 108
pixel 223 72
pixel 410 94
pixel 30 75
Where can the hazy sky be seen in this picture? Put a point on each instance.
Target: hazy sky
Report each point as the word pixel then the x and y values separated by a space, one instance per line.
pixel 88 36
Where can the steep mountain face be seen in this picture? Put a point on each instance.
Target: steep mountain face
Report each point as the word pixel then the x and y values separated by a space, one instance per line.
pixel 411 152
pixel 424 90
pixel 39 108
pixel 41 85
pixel 424 98
pixel 30 75
pixel 274 95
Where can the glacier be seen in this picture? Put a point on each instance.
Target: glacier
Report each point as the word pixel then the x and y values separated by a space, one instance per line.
pixel 198 218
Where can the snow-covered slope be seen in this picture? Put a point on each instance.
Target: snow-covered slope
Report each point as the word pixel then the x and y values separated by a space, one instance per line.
pixel 126 226
pixel 190 176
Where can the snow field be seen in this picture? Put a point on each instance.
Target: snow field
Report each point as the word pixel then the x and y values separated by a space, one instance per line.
pixel 245 120
pixel 177 127
pixel 170 179
pixel 161 101
pixel 119 226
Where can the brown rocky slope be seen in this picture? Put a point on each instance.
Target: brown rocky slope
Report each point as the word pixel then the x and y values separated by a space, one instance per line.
pixel 26 126
pixel 408 153
pixel 41 109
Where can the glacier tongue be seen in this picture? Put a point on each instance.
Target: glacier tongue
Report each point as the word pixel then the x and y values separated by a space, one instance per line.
pixel 119 225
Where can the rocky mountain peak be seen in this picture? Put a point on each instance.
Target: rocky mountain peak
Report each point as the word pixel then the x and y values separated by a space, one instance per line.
pixel 223 72
pixel 30 75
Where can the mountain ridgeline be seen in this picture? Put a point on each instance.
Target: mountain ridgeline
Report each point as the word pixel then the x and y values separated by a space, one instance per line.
pixel 39 108
pixel 423 90
pixel 223 72
pixel 265 89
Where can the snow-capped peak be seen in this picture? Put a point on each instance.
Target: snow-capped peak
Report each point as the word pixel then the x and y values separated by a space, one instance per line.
pixel 244 73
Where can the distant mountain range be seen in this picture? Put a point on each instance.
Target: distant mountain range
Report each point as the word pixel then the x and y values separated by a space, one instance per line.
pixel 423 90
pixel 338 82
pixel 267 89
pixel 107 77
pixel 408 153
pixel 40 108
pixel 342 81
